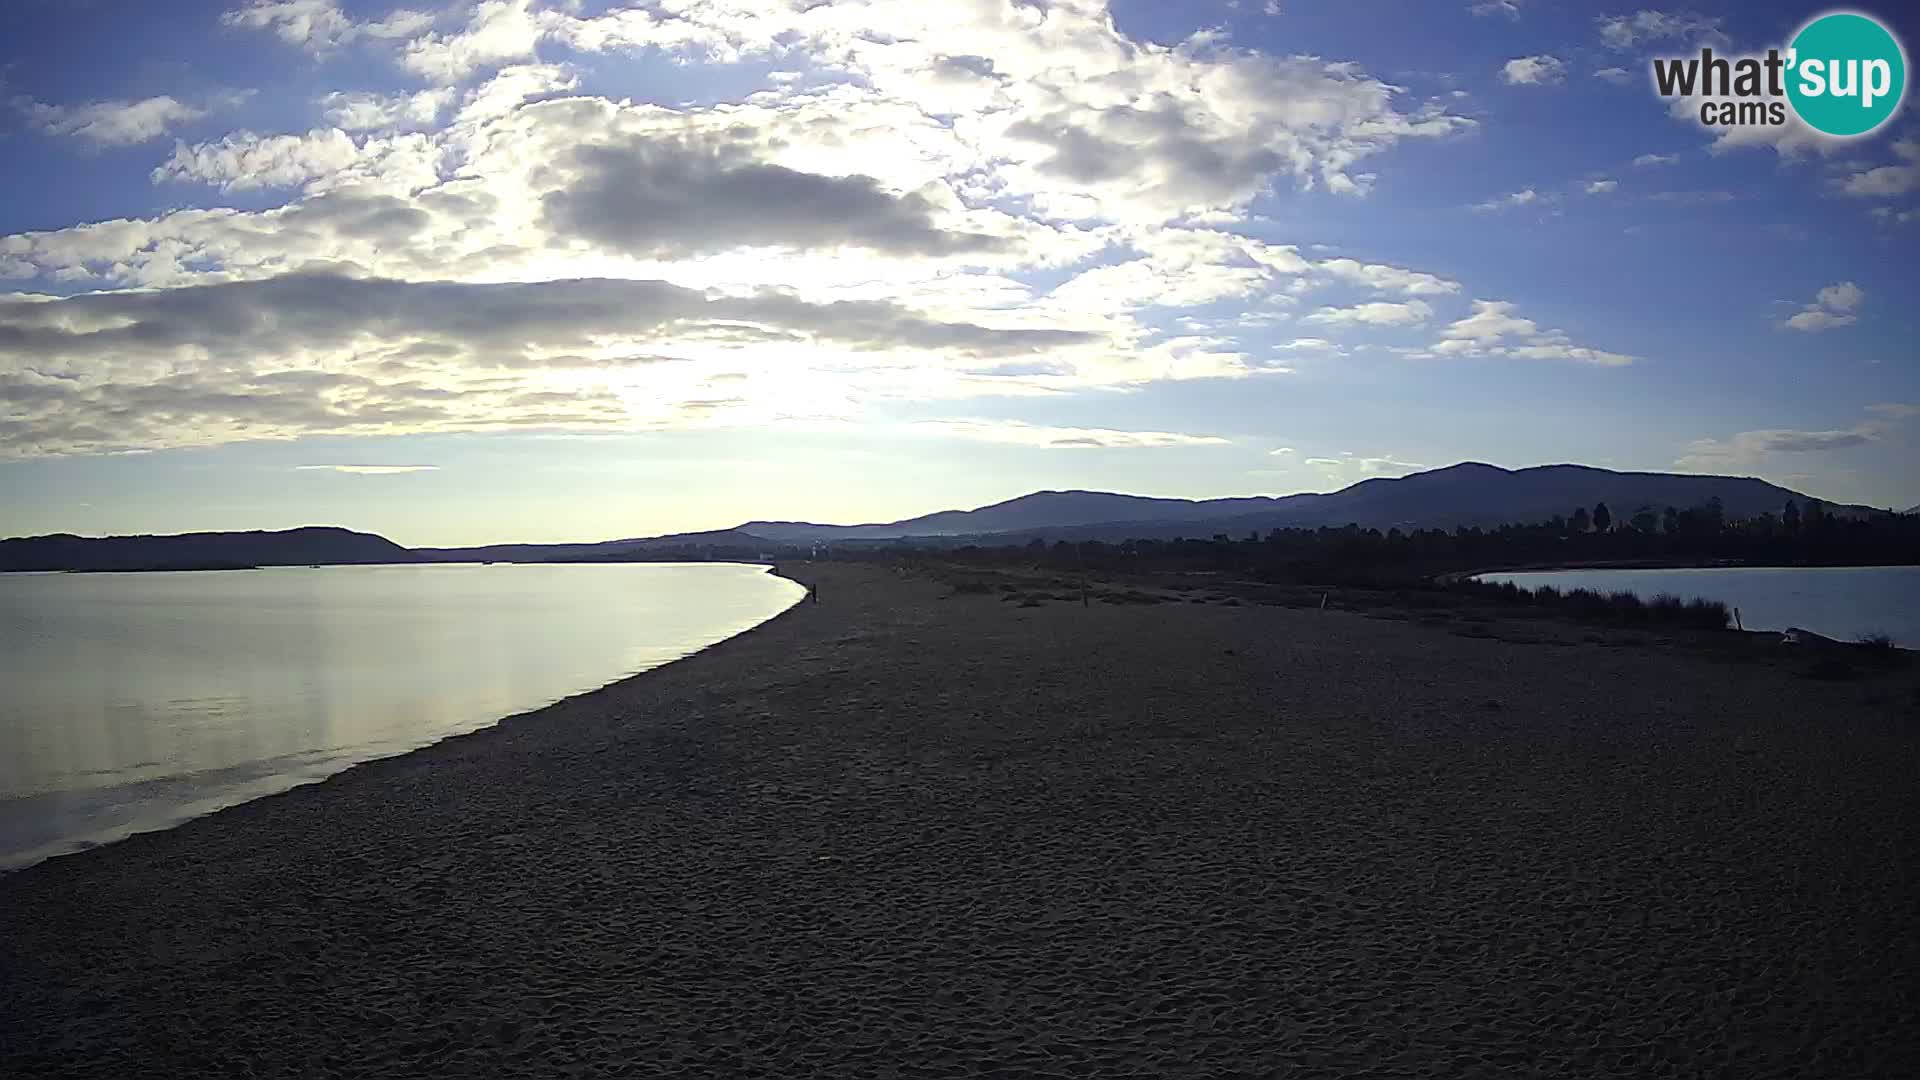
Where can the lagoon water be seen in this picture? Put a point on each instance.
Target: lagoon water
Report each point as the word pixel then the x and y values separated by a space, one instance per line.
pixel 130 702
pixel 1844 602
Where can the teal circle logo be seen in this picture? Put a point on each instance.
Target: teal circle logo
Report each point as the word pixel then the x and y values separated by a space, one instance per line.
pixel 1846 74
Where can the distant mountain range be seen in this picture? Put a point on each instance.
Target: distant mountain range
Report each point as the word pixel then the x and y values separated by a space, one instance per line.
pixel 1467 494
pixel 199 551
pixel 588 552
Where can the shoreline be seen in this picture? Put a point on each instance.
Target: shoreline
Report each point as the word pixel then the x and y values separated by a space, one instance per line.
pixel 903 829
pixel 1657 564
pixel 1862 633
pixel 1674 564
pixel 271 785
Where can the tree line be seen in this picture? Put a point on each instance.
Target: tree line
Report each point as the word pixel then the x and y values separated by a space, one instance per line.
pixel 1796 535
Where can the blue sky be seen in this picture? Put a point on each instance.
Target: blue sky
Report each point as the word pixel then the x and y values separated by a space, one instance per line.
pixel 525 270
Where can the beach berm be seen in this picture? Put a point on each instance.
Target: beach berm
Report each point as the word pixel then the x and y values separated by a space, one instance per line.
pixel 912 832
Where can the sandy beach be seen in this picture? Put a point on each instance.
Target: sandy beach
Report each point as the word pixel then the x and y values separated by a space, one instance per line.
pixel 906 832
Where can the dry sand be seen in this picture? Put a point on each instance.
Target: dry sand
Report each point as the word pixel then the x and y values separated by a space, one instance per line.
pixel 901 833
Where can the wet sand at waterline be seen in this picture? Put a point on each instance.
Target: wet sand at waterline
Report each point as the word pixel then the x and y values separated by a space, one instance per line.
pixel 906 833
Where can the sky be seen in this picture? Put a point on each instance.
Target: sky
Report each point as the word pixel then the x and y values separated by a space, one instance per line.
pixel 542 270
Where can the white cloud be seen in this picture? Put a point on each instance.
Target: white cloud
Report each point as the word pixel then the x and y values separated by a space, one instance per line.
pixel 1534 71
pixel 1485 331
pixel 1377 313
pixel 1080 119
pixel 1508 8
pixel 1181 267
pixel 1748 449
pixel 1642 27
pixel 1843 296
pixel 1693 198
pixel 1813 320
pixel 368 470
pixel 1646 161
pixel 1350 467
pixel 1083 120
pixel 1019 433
pixel 499 31
pixel 1562 351
pixel 1618 76
pixel 245 161
pixel 1387 278
pixel 1491 319
pixel 945 154
pixel 317 353
pixel 319 25
pixel 473 199
pixel 1523 197
pixel 1601 187
pixel 1792 139
pixel 1888 181
pixel 111 123
pixel 1833 306
pixel 361 112
pixel 511 87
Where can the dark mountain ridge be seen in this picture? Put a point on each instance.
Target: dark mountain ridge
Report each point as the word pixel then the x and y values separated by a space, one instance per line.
pixel 1468 494
pixel 732 542
pixel 1471 493
pixel 198 551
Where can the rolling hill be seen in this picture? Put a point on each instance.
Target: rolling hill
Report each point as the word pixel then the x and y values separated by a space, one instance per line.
pixel 195 551
pixel 1471 493
pixel 732 542
pixel 1466 494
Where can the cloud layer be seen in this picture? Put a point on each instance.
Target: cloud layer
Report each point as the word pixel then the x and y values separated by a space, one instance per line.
pixel 921 203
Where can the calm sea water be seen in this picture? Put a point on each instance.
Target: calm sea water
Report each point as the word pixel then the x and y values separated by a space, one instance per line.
pixel 131 702
pixel 1844 602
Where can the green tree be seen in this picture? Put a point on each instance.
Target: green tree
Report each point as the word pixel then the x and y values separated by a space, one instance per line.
pixel 1645 521
pixel 1581 521
pixel 1602 517
pixel 1670 521
pixel 1790 518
